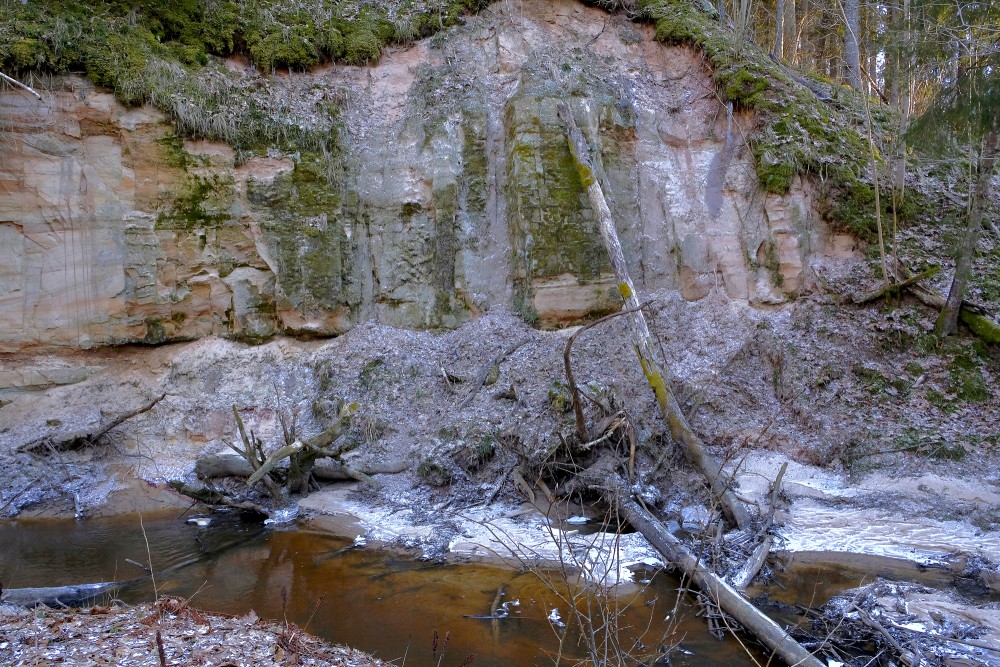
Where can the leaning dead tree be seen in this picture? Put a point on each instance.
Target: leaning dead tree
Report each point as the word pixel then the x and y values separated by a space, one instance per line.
pixel 642 340
pixel 604 474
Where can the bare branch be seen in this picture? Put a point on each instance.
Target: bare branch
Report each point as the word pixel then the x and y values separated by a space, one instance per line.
pixel 15 82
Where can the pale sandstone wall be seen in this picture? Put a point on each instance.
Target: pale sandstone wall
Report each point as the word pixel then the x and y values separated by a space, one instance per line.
pixel 456 193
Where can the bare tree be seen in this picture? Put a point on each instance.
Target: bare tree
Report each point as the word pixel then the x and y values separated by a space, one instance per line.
pixel 947 322
pixel 790 28
pixel 852 51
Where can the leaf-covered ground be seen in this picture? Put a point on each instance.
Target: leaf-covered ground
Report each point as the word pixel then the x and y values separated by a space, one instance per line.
pixel 121 635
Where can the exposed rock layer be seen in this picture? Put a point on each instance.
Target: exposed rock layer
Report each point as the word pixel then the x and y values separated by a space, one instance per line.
pixel 453 192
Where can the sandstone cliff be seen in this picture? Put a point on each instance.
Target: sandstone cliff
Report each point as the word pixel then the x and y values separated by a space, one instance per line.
pixel 451 191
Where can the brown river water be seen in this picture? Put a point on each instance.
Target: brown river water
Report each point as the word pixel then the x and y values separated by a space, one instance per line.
pixel 376 600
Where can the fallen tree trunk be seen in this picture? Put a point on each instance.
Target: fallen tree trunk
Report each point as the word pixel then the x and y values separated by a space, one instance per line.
pixel 729 600
pixel 325 469
pixel 680 430
pixel 982 323
pixel 222 465
pixel 972 315
pixel 58 596
pixel 894 288
pixel 75 441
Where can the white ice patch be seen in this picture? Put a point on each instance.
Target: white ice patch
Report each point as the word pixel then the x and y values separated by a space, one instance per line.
pixel 828 513
pixel 491 533
pixel 283 515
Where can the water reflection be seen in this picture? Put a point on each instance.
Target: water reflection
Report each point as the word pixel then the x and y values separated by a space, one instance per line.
pixel 374 600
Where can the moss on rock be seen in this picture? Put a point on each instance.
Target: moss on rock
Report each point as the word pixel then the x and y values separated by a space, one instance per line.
pixel 304 230
pixel 799 132
pixel 201 202
pixel 552 227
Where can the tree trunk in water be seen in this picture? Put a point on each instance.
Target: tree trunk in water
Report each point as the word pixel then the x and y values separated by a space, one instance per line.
pixel 59 596
pixel 680 430
pixel 852 52
pixel 769 633
pixel 947 322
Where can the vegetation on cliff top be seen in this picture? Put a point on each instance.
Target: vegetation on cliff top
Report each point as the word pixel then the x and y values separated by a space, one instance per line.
pixel 159 52
pixel 807 125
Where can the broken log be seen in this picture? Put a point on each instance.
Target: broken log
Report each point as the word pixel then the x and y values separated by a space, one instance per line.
pixel 680 429
pixel 485 372
pixel 331 470
pixel 729 600
pixel 211 496
pixel 582 433
pixel 980 320
pixel 753 565
pixel 78 440
pixel 894 288
pixel 58 596
pixel 272 460
pixel 222 465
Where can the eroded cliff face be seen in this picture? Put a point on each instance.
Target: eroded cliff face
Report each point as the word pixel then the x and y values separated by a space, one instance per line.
pixel 452 191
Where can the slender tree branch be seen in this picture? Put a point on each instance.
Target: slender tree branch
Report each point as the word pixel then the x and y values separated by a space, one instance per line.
pixel 15 82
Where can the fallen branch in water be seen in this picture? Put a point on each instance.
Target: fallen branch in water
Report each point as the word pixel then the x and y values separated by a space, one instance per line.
pixel 58 596
pixel 728 599
pixel 210 496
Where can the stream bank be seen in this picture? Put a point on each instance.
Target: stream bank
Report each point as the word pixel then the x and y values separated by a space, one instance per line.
pixel 440 453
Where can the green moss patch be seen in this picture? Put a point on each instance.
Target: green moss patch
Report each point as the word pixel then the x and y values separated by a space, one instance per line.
pixel 157 52
pixel 201 202
pixel 114 41
pixel 966 381
pixel 799 132
pixel 878 384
